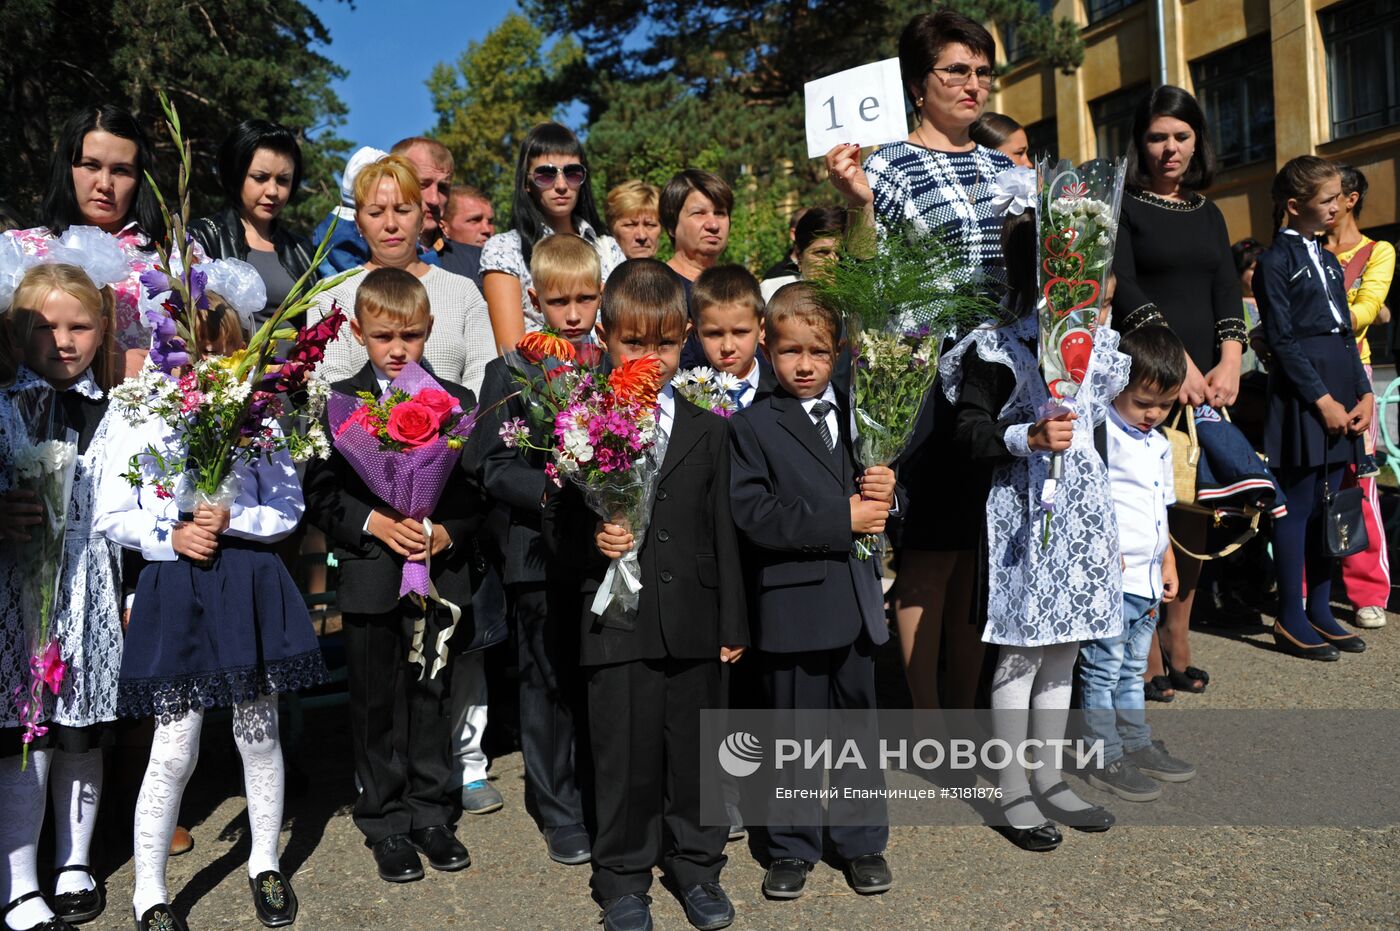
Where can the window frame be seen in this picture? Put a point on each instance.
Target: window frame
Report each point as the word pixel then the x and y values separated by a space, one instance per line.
pixel 1235 76
pixel 1345 23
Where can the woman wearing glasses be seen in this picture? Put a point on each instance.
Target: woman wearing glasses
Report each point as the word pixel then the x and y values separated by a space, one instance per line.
pixel 552 195
pixel 939 181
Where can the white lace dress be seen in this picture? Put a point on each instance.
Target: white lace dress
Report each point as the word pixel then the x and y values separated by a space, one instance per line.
pixel 88 620
pixel 1070 587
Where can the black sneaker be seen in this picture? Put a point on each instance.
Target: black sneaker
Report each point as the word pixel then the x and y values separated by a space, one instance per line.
pixel 1367 467
pixel 1155 761
pixel 1124 780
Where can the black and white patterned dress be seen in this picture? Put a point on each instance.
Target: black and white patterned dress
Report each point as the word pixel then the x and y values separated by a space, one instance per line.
pixel 949 193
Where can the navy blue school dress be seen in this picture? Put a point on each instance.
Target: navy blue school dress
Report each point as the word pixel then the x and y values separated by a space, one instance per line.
pixel 1307 323
pixel 211 637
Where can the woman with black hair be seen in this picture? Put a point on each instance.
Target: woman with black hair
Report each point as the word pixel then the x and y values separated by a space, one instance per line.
pixel 259 170
pixel 99 177
pixel 552 195
pixel 1175 267
pixel 999 131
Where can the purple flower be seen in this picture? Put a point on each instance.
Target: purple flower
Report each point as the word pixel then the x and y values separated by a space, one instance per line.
pixel 155 282
pixel 169 355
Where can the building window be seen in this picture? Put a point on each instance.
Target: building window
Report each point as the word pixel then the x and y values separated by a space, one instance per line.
pixel 1363 65
pixel 1016 50
pixel 1043 139
pixel 1113 120
pixel 1098 10
pixel 1235 87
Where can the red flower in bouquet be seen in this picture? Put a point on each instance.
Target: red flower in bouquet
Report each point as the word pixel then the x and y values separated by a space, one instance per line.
pixel 637 381
pixel 412 424
pixel 544 344
pixel 442 404
pixel 360 418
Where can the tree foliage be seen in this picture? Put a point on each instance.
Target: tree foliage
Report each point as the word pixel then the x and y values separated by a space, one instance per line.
pixel 220 62
pixel 498 89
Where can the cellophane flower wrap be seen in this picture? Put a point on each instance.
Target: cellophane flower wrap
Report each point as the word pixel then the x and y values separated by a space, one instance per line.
pixel 604 440
pixel 1077 226
pixel 900 297
pixel 45 467
pixel 708 389
pixel 220 410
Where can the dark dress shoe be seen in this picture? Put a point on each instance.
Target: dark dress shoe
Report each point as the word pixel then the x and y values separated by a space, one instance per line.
pixel 568 844
pixel 1092 820
pixel 442 848
pixel 273 899
pixel 869 874
pixel 1350 643
pixel 786 878
pixel 707 907
pixel 53 924
pixel 77 907
pixel 628 913
pixel 158 917
pixel 396 859
pixel 1325 652
pixel 1037 839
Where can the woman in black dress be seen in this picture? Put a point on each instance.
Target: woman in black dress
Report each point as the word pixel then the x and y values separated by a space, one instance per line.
pixel 1174 266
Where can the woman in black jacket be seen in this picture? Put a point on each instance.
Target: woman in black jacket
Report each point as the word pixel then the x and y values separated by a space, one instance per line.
pixel 260 170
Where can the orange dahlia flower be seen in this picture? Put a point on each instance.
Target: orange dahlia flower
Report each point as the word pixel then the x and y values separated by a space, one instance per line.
pixel 545 344
pixel 637 381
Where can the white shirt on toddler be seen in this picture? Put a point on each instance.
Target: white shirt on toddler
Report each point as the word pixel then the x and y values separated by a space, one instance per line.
pixel 1140 477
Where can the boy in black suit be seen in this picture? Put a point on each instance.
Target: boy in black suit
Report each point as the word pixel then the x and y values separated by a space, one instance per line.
pixel 567 288
pixel 402 758
pixel 800 500
pixel 726 310
pixel 649 676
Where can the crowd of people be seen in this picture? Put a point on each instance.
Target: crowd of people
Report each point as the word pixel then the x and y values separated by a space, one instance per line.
pixel 753 591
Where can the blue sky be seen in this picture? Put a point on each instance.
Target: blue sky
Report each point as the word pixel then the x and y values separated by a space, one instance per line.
pixel 389 48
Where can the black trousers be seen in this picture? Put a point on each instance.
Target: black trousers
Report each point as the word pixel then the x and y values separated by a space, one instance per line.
pixel 841 679
pixel 551 711
pixel 644 721
pixel 400 727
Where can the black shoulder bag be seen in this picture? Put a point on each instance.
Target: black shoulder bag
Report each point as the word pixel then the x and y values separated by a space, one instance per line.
pixel 1344 524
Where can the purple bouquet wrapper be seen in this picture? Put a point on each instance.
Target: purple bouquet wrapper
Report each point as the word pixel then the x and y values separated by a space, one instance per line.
pixel 410 482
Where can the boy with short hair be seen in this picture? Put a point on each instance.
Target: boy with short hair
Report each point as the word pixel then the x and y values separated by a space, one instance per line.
pixel 648 677
pixel 567 287
pixel 399 723
pixel 801 500
pixel 1140 476
pixel 726 311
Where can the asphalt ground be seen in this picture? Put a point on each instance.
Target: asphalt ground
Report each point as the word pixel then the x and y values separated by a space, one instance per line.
pixel 945 877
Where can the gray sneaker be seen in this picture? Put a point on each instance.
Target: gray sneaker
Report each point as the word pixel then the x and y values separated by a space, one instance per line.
pixel 1124 780
pixel 1155 761
pixel 480 798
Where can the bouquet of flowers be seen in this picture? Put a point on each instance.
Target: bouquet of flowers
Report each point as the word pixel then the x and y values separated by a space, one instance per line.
pixel 220 410
pixel 1077 227
pixel 405 444
pixel 708 390
pixel 45 466
pixel 605 442
pixel 899 303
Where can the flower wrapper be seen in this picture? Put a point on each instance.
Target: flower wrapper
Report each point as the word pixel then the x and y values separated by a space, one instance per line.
pixel 625 500
pixel 411 480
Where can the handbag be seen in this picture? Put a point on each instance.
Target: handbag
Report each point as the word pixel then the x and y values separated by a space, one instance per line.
pixel 1186 458
pixel 1343 522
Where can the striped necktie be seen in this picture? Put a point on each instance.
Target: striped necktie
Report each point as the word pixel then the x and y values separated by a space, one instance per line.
pixel 819 412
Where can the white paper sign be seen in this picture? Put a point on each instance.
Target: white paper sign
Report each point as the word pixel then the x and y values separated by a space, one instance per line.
pixel 863 105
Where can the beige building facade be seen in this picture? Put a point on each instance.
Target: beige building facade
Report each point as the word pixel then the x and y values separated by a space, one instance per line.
pixel 1276 78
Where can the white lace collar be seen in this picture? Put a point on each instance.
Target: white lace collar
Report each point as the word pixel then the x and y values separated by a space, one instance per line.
pixel 26 379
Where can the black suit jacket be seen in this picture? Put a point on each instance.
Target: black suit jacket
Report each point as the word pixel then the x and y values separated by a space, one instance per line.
pixel 512 477
pixel 692 598
pixel 339 503
pixel 791 501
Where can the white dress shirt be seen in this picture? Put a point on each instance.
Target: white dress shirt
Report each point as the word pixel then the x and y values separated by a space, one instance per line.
pixel 268 506
pixel 833 423
pixel 750 386
pixel 1140 477
pixel 666 409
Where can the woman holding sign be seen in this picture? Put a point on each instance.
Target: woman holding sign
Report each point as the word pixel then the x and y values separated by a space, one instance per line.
pixel 940 181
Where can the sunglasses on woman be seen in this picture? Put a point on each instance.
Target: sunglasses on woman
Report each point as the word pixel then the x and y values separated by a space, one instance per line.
pixel 545 175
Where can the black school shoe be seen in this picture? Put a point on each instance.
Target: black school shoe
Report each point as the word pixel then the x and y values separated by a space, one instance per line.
pixel 396 859
pixel 869 874
pixel 78 907
pixel 158 917
pixel 442 848
pixel 53 924
pixel 273 899
pixel 628 913
pixel 786 878
pixel 707 907
pixel 1092 820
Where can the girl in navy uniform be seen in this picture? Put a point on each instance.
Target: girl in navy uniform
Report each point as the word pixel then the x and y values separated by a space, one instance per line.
pixel 1320 399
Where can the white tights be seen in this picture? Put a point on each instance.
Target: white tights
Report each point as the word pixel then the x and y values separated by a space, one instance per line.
pixel 1036 680
pixel 21 817
pixel 174 753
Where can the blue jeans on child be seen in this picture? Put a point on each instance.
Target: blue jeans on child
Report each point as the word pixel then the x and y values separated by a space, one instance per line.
pixel 1110 681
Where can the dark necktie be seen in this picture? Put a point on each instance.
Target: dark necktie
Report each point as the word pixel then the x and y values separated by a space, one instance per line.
pixel 736 395
pixel 819 412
